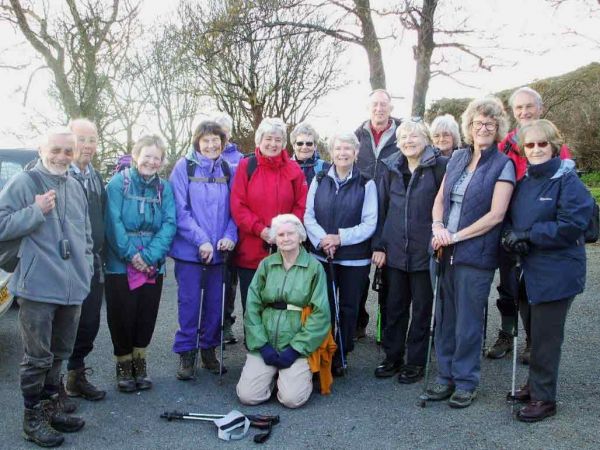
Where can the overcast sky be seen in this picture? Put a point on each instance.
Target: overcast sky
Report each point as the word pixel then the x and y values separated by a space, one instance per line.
pixel 530 34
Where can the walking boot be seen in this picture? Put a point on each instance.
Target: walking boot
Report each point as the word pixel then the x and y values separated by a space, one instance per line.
pixel 526 355
pixel 501 347
pixel 58 419
pixel 210 361
pixel 37 429
pixel 439 391
pixel 388 368
pixel 186 365
pixel 68 405
pixel 228 336
pixel 125 381
pixel 142 380
pixel 79 386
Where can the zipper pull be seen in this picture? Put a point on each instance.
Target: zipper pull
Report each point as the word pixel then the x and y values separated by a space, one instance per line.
pixel 452 258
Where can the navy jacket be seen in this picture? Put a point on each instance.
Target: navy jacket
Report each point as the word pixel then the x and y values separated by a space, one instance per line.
pixel 552 204
pixel 368 164
pixel 404 222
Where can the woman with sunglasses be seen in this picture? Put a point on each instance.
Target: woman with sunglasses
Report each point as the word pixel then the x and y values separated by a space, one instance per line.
pixel 549 213
pixel 304 139
pixel 467 217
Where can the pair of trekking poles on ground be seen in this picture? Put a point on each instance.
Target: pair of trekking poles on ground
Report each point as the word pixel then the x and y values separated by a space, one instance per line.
pixel 424 397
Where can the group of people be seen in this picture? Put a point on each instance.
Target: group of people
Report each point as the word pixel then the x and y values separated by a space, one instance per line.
pixel 299 234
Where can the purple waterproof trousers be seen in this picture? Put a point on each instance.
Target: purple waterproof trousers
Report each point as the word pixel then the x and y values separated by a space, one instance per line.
pixel 189 281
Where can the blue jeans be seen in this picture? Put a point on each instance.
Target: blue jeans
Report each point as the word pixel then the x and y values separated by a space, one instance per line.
pixel 459 324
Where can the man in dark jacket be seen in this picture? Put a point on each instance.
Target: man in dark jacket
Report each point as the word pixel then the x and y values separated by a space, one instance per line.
pixel 47 209
pixel 527 106
pixel 81 169
pixel 377 138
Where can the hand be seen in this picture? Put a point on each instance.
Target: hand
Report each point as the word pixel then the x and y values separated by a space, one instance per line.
pixel 139 264
pixel 511 238
pixel 522 248
pixel 206 252
pixel 441 236
pixel 287 357
pixel 265 235
pixel 330 241
pixel 269 355
pixel 47 201
pixel 378 258
pixel 225 245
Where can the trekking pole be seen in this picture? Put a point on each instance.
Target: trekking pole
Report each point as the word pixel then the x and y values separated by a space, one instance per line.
pixel 436 290
pixel 202 289
pixel 513 386
pixel 336 304
pixel 485 326
pixel 225 261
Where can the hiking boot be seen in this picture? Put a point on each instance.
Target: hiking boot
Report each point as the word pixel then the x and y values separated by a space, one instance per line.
pixel 228 336
pixel 535 411
pixel 461 398
pixel 79 386
pixel 37 429
pixel 439 391
pixel 125 381
pixel 526 355
pixel 142 380
pixel 57 417
pixel 68 405
pixel 210 361
pixel 501 347
pixel 186 365
pixel 410 374
pixel 387 368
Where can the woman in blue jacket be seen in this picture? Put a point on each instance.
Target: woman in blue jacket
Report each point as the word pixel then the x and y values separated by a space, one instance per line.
pixel 140 225
pixel 549 214
pixel 205 231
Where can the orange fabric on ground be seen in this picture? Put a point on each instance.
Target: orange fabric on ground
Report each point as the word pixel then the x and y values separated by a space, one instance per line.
pixel 320 360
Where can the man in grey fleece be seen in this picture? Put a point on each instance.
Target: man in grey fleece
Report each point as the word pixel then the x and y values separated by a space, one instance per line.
pixel 50 281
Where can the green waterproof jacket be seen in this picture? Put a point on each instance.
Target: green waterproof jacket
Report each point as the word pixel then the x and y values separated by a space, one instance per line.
pixel 302 285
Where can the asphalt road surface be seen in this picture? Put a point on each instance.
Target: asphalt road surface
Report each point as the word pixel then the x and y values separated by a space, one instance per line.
pixel 362 411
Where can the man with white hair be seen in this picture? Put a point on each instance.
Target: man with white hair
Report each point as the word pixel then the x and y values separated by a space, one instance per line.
pixel 377 138
pixel 527 106
pixel 82 170
pixel 47 210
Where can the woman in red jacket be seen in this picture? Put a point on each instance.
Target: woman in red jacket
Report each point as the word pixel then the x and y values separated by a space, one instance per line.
pixel 266 184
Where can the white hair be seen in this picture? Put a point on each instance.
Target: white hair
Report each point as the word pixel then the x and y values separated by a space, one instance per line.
pixel 282 219
pixel 270 125
pixel 224 120
pixel 55 131
pixel 82 121
pixel 344 136
pixel 446 123
pixel 304 128
pixel 526 90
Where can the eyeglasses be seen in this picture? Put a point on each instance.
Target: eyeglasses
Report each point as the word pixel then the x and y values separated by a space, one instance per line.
pixel 531 145
pixel 301 143
pixel 489 126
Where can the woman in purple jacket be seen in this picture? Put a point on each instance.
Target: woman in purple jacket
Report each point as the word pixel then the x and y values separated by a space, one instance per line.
pixel 205 231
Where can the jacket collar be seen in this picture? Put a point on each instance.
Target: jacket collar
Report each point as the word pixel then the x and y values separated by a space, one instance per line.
pixel 274 162
pixel 302 260
pixel 553 168
pixel 55 178
pixel 202 161
pixel 428 158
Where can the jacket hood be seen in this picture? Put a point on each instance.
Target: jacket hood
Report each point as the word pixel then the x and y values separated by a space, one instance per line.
pixel 202 161
pixel 566 165
pixel 428 158
pixel 272 161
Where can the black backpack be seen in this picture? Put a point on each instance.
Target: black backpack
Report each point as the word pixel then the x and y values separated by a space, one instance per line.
pixel 10 249
pixel 592 233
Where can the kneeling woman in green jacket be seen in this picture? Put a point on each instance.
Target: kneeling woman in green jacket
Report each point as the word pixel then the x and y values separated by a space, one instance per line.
pixel 284 284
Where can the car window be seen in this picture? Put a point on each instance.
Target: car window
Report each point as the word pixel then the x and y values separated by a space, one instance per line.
pixel 7 170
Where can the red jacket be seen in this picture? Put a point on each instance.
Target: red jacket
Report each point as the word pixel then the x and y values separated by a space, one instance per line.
pixel 277 186
pixel 510 148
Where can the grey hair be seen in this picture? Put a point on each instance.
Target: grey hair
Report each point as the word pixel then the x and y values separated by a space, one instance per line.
pixel 526 90
pixel 304 128
pixel 55 131
pixel 383 91
pixel 82 121
pixel 282 219
pixel 447 123
pixel 224 120
pixel 270 125
pixel 410 126
pixel 148 141
pixel 489 106
pixel 344 136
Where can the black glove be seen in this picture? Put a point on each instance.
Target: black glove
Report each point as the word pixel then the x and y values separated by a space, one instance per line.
pixel 521 248
pixel 511 238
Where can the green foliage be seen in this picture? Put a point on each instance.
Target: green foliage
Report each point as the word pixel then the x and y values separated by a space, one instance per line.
pixel 591 179
pixel 596 193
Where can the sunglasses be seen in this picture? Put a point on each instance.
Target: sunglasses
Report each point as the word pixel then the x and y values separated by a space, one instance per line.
pixel 301 143
pixel 531 145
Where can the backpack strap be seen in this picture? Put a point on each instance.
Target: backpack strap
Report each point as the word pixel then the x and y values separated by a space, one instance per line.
pixel 320 175
pixel 439 170
pixel 252 165
pixel 37 181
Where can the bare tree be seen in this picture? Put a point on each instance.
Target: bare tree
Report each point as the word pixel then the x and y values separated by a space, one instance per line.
pixel 252 71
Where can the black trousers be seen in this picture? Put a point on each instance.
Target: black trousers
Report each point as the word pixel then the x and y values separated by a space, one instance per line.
pixel 547 335
pixel 131 315
pixel 89 324
pixel 350 282
pixel 363 316
pixel 232 283
pixel 406 289
pixel 245 278
pixel 507 290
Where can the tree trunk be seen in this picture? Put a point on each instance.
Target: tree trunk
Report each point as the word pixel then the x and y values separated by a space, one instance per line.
pixel 422 54
pixel 371 45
